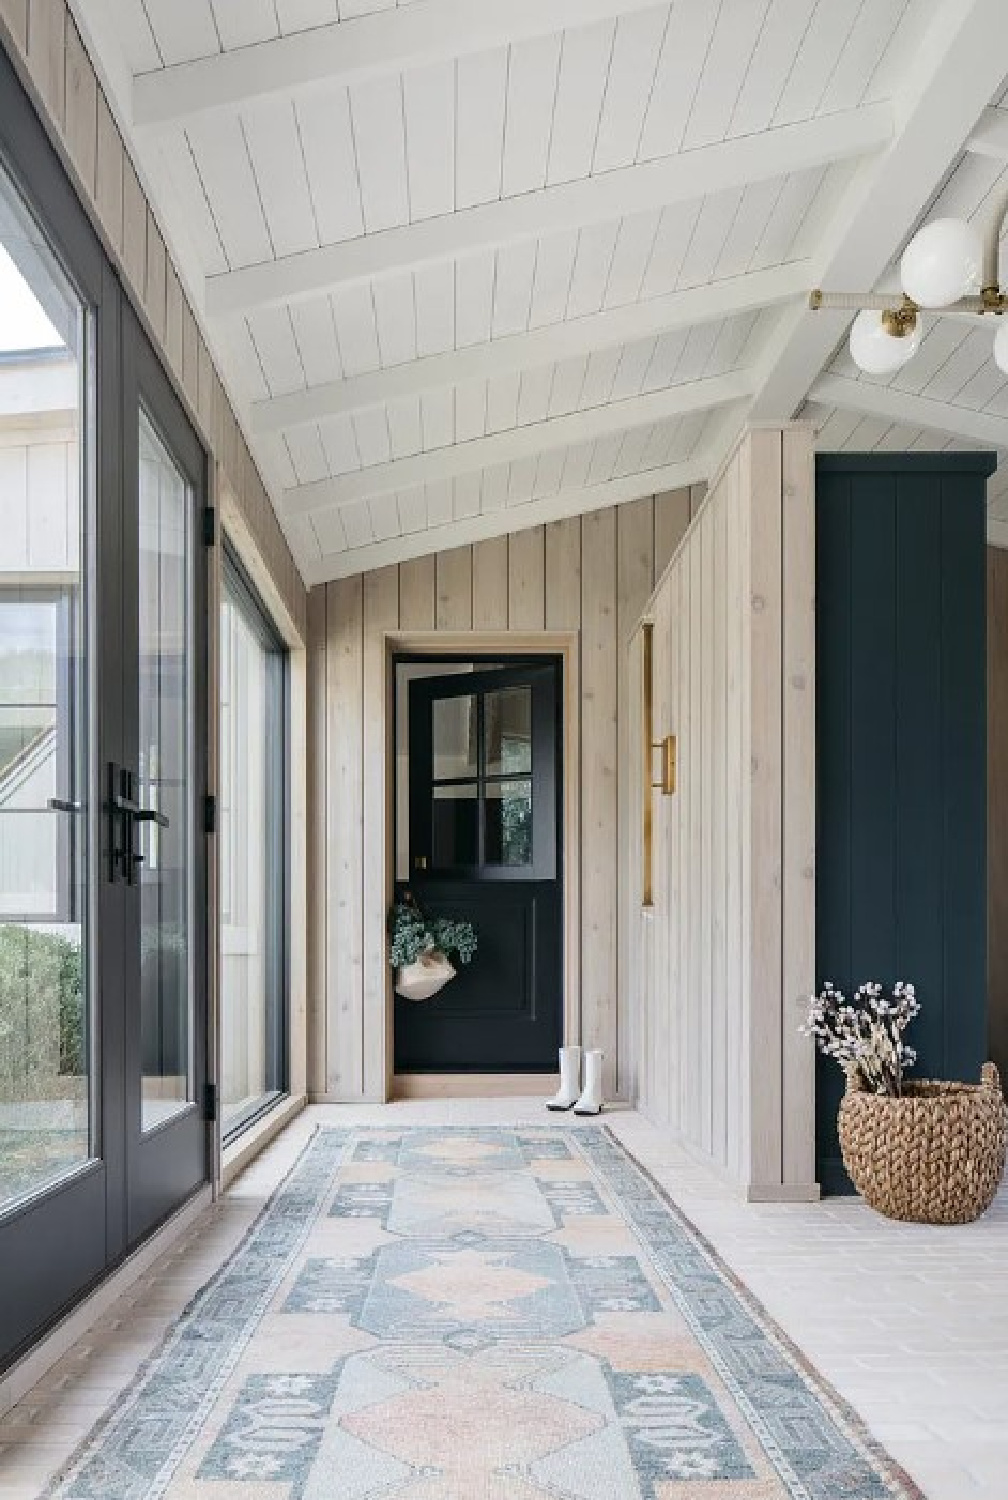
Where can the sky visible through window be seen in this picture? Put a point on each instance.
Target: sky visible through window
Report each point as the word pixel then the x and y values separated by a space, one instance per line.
pixel 23 323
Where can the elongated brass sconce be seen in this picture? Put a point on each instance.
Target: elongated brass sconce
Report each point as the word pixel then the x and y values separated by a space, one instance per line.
pixel 647 894
pixel 666 782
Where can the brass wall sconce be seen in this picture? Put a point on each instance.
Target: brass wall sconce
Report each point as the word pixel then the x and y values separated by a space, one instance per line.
pixel 666 782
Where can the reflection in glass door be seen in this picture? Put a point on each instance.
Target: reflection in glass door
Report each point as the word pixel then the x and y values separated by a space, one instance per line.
pixel 45 1093
pixel 163 847
pixel 251 839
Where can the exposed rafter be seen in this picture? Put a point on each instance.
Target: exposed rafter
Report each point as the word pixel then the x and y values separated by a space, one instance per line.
pixel 500 522
pixel 354 50
pixel 686 177
pixel 543 346
pixel 911 410
pixel 952 79
pixel 516 443
pixel 990 138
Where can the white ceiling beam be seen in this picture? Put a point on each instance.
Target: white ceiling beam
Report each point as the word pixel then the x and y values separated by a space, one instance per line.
pixel 470 529
pixel 910 410
pixel 686 177
pixel 355 50
pixel 990 138
pixel 575 338
pixel 515 443
pixel 952 78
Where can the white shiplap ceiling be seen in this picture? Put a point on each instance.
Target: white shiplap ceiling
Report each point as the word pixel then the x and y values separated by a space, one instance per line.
pixel 468 265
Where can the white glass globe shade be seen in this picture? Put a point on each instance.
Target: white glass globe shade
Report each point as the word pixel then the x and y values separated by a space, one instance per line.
pixel 942 263
pixel 875 350
pixel 1001 347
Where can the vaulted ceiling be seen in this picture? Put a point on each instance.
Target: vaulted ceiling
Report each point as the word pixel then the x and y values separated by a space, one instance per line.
pixel 468 265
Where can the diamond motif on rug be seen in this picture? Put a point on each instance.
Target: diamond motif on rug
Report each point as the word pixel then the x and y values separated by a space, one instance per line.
pixel 476 1314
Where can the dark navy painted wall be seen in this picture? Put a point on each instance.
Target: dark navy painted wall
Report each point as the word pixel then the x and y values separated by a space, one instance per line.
pixel 902 750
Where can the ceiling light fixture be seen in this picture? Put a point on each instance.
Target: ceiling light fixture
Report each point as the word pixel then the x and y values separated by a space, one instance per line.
pixel 940 270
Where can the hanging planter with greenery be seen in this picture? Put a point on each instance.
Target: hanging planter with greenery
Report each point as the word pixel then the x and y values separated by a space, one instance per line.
pixel 421 950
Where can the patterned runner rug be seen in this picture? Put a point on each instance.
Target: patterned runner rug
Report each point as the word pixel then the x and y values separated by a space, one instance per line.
pixel 476 1314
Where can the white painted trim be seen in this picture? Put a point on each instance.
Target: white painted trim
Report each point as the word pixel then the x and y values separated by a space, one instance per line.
pixel 574 338
pixel 686 177
pixel 357 49
pixel 502 522
pixel 911 410
pixel 516 443
pixel 29 1370
pixel 951 80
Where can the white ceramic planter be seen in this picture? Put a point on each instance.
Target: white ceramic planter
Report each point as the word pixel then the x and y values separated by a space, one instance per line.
pixel 422 979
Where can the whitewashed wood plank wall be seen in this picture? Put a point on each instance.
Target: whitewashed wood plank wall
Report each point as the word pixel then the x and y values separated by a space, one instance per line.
pixel 720 965
pixel 589 574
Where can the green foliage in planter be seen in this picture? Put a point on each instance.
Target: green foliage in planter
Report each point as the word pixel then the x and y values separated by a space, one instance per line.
pixel 41 1010
pixel 411 935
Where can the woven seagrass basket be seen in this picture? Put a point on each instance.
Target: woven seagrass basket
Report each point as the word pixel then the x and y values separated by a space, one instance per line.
pixel 935 1155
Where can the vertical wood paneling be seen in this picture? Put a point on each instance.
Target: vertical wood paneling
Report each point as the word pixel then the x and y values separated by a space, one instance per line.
pixel 14 14
pixel 599 826
pixel 765 1019
pixel 694 841
pixel 381 613
pixel 732 611
pixel 709 814
pixel 563 574
pixel 634 581
pixel 47 53
pixel 527 579
pixel 671 518
pixel 799 812
pixel 344 813
pixel 454 589
pixel 735 776
pixel 109 175
pixel 81 107
pixel 317 840
pixel 490 584
pixel 417 588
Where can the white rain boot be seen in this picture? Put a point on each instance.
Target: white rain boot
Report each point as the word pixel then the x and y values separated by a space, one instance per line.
pixel 570 1079
pixel 590 1102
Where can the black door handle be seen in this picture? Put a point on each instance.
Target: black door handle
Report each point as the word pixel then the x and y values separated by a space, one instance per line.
pixel 61 804
pixel 125 810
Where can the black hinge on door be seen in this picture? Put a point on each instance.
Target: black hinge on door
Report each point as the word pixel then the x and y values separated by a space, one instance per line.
pixel 210 814
pixel 209 526
pixel 210 1103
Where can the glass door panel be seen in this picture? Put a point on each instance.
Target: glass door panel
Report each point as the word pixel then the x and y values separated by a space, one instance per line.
pixel 164 837
pixel 162 782
pixel 45 714
pixel 251 840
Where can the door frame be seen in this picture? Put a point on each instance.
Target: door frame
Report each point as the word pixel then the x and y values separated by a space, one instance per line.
pixel 380 877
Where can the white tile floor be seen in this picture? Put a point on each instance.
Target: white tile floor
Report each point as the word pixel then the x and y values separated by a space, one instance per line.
pixel 909 1323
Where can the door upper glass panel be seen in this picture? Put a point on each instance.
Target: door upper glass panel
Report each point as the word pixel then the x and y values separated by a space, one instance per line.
pixel 166 837
pixel 509 731
pixel 45 713
pixel 455 737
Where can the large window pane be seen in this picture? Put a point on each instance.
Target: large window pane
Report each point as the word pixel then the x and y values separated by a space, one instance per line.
pixel 251 842
pixel 44 704
pixel 166 726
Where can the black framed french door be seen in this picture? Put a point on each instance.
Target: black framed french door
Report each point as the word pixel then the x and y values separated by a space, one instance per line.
pixel 157 791
pixel 85 894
